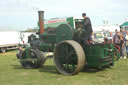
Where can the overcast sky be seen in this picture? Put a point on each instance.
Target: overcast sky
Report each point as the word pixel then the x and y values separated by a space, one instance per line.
pixel 21 14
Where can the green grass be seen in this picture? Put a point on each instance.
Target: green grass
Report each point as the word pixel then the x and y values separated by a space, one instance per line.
pixel 11 73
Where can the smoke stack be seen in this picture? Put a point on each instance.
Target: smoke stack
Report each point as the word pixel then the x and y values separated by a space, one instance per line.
pixel 41 21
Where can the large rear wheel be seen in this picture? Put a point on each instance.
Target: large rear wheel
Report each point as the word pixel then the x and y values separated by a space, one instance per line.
pixel 69 57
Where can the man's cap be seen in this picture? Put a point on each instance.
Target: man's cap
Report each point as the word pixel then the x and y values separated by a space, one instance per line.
pixel 83 14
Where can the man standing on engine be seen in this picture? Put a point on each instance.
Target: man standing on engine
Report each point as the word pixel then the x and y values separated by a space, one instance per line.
pixel 87 29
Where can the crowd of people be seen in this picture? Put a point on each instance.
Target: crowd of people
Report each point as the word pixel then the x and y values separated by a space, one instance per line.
pixel 120 39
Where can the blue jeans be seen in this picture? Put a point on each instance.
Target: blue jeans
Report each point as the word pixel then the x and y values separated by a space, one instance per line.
pixel 127 50
pixel 123 51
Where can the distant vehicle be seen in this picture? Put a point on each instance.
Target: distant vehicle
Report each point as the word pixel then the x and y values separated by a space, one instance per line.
pixel 98 36
pixel 8 40
pixel 107 35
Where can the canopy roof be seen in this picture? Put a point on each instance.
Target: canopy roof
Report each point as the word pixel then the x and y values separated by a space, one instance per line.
pixel 124 24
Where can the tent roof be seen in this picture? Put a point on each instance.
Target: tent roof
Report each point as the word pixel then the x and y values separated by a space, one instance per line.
pixel 124 24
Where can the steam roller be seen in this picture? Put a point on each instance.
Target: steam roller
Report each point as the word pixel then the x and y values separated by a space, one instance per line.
pixel 70 54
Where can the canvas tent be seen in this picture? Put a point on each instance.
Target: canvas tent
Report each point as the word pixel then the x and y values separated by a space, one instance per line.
pixel 124 25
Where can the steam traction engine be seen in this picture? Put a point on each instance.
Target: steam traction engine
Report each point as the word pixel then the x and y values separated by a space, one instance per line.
pixel 70 55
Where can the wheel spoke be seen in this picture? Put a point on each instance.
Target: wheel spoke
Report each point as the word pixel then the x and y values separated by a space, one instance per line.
pixel 66 57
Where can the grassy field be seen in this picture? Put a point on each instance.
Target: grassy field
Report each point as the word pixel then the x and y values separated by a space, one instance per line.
pixel 11 73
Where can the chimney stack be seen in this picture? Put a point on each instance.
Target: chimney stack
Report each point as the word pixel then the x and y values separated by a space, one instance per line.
pixel 41 21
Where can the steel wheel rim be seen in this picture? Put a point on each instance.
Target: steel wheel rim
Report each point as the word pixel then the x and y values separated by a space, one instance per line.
pixel 69 63
pixel 66 64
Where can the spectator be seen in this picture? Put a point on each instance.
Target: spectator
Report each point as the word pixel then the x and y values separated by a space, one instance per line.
pixel 122 47
pixel 126 42
pixel 116 38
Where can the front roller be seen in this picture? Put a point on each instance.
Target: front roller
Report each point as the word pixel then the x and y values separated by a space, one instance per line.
pixel 31 58
pixel 69 57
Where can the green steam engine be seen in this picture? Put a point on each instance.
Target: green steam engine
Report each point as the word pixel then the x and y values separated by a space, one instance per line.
pixel 61 36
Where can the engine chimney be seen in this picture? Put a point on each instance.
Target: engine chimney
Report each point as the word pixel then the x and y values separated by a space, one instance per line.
pixel 41 21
